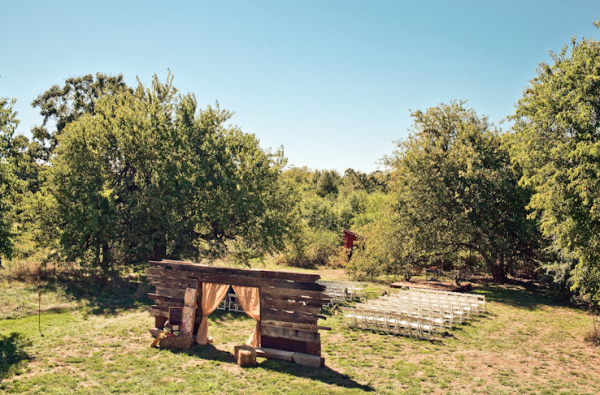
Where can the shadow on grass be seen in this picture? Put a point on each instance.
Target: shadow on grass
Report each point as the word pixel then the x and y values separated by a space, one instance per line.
pixel 324 374
pixel 104 296
pixel 13 356
pixel 523 295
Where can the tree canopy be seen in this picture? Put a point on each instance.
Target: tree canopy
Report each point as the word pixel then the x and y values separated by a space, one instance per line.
pixel 8 123
pixel 60 106
pixel 452 191
pixel 557 143
pixel 149 175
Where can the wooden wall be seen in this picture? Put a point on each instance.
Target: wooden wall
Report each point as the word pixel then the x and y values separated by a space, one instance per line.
pixel 290 302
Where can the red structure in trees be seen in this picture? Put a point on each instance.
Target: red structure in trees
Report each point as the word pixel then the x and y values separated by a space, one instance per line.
pixel 349 239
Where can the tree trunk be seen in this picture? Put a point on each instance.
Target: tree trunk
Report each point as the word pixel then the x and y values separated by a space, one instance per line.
pixel 106 259
pixel 499 271
pixel 159 248
pixel 496 267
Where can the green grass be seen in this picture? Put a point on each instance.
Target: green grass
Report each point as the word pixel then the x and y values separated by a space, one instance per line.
pixel 96 340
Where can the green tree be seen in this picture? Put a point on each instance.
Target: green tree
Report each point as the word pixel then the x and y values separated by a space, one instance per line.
pixel 8 123
pixel 60 106
pixel 557 143
pixel 147 175
pixel 454 190
pixel 327 183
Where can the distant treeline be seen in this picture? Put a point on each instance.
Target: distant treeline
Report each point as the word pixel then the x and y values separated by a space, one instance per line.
pixel 117 175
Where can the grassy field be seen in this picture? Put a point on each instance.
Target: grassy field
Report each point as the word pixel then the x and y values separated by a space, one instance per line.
pixel 95 340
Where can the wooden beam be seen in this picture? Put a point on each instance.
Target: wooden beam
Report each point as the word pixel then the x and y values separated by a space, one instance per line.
pixel 308 286
pixel 294 325
pixel 293 334
pixel 293 299
pixel 296 293
pixel 297 357
pixel 185 277
pixel 166 283
pixel 274 274
pixel 176 293
pixel 274 354
pixel 157 312
pixel 280 343
pixel 288 317
pixel 290 306
pixel 166 299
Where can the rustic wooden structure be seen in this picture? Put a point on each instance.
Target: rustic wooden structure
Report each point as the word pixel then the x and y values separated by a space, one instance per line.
pixel 290 304
pixel 349 239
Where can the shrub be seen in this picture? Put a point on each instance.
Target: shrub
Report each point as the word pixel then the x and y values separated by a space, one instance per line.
pixel 316 247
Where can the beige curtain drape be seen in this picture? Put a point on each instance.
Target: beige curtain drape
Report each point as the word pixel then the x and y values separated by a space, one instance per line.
pixel 249 299
pixel 212 296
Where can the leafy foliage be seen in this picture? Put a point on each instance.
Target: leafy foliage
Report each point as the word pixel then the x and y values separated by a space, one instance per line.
pixel 8 123
pixel 149 175
pixel 326 203
pixel 62 105
pixel 557 143
pixel 452 190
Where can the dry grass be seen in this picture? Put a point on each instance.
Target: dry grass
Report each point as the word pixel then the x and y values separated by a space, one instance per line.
pixel 593 336
pixel 29 271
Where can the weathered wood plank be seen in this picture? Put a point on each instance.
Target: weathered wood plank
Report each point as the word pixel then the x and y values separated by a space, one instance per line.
pixel 290 306
pixel 293 334
pixel 287 299
pixel 298 313
pixel 170 292
pixel 312 361
pixel 308 286
pixel 155 311
pixel 277 315
pixel 274 354
pixel 172 275
pixel 293 325
pixel 165 298
pixel 281 343
pixel 273 274
pixel 166 275
pixel 235 280
pixel 296 293
pixel 175 287
pixel 184 277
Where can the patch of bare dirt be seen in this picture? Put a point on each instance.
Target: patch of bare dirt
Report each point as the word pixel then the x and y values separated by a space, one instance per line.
pixel 437 285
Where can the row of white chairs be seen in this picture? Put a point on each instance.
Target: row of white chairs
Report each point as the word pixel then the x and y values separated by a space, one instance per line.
pixel 389 322
pixel 471 306
pixel 341 291
pixel 230 303
pixel 449 317
pixel 463 310
pixel 480 298
pixel 428 313
pixel 435 316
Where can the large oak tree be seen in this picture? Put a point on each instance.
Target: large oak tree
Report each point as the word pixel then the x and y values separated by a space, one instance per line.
pixel 149 175
pixel 453 190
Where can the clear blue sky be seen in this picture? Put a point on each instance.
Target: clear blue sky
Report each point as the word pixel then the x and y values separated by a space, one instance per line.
pixel 331 81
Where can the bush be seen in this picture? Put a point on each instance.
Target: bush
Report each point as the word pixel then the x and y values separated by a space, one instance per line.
pixel 317 247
